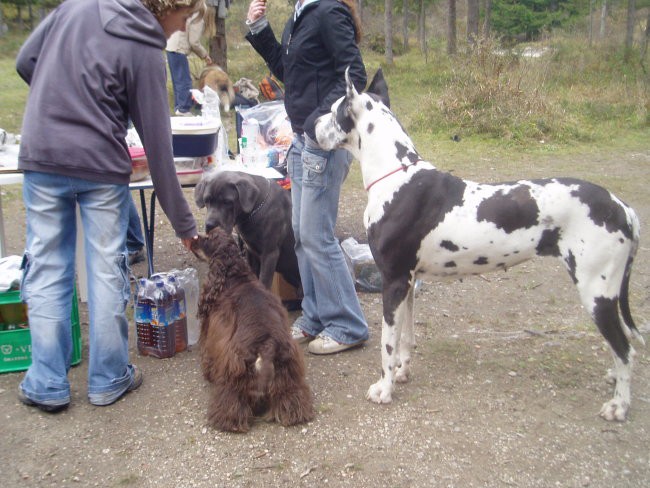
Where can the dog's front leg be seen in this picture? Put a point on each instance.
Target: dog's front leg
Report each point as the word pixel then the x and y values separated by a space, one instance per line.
pixel 268 263
pixel 407 339
pixel 393 319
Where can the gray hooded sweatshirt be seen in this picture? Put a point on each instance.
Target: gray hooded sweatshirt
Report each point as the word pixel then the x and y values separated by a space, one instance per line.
pixel 91 65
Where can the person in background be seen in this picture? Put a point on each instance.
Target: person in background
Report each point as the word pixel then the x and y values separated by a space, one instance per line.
pixel 320 40
pixel 179 46
pixel 91 65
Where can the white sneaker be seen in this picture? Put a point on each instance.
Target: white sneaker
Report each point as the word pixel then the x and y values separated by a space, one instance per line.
pixel 299 336
pixel 326 345
pixel 184 114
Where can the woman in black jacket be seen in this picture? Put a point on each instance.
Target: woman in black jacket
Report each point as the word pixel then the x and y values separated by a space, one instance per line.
pixel 319 42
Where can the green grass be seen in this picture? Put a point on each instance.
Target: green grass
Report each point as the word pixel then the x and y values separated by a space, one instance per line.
pixel 574 100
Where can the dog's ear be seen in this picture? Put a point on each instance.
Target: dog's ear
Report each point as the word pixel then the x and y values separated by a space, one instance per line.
pixel 248 194
pixel 350 90
pixel 198 193
pixel 379 88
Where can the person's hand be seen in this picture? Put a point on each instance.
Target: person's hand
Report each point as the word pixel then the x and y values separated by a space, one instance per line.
pixel 208 60
pixel 256 9
pixel 188 242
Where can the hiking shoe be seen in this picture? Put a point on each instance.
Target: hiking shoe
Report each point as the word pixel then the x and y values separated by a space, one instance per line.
pixel 299 336
pixel 323 344
pixel 45 407
pixel 138 379
pixel 136 257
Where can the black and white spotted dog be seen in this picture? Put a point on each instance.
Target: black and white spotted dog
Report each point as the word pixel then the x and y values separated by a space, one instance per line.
pixel 424 222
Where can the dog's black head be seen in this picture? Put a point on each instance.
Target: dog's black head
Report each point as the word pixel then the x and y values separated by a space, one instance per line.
pixel 339 128
pixel 228 197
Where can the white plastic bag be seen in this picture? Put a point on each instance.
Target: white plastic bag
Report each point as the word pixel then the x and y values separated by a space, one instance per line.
pixel 362 265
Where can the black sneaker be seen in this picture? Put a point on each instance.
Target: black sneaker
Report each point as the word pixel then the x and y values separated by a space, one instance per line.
pixel 43 406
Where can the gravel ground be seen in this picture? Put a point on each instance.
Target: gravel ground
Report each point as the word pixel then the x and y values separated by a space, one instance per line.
pixel 507 383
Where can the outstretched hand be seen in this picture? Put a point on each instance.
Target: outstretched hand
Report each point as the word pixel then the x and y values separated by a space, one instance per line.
pixel 187 243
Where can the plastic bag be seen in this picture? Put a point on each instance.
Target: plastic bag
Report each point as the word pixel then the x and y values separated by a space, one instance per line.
pixel 274 137
pixel 188 278
pixel 362 266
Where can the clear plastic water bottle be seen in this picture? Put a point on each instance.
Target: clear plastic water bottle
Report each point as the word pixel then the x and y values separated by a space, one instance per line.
pixel 180 312
pixel 142 316
pixel 162 325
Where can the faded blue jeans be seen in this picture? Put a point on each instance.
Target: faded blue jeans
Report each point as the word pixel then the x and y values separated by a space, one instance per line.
pixel 179 69
pixel 330 304
pixel 48 281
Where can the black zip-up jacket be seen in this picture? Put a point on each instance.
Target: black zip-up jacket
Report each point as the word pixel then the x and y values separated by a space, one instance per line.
pixel 311 60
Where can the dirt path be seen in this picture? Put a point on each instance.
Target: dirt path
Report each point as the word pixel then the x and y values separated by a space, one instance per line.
pixel 507 385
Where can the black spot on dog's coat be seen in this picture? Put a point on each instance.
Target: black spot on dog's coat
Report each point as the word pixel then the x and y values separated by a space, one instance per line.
pixel 450 264
pixel 371 127
pixel 516 209
pixel 603 210
pixel 605 314
pixel 548 244
pixel 449 246
pixel 481 260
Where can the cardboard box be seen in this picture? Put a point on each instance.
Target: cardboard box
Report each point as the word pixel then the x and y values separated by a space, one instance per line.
pixel 15 339
pixel 290 296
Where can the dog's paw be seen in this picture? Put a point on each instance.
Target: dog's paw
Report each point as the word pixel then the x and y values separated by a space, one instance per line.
pixel 403 373
pixel 378 393
pixel 614 410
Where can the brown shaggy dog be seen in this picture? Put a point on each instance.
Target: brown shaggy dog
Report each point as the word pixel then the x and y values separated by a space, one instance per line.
pixel 247 352
pixel 218 80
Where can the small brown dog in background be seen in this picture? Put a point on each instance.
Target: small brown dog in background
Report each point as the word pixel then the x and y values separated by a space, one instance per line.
pixel 218 80
pixel 247 353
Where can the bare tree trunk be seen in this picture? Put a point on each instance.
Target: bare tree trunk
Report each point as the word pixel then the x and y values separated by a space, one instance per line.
pixel 603 20
pixel 422 34
pixel 405 24
pixel 219 46
pixel 388 30
pixel 591 22
pixel 629 27
pixel 472 21
pixel 487 25
pixel 451 27
pixel 647 36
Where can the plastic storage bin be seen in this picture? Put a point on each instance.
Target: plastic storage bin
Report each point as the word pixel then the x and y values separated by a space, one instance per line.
pixel 16 344
pixel 194 137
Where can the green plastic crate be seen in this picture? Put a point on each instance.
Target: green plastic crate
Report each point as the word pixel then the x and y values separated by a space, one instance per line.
pixel 16 345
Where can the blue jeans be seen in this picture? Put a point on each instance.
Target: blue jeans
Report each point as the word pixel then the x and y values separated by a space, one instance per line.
pixel 330 304
pixel 48 280
pixel 134 237
pixel 179 69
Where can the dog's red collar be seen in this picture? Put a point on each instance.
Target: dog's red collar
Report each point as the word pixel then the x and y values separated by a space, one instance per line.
pixel 401 168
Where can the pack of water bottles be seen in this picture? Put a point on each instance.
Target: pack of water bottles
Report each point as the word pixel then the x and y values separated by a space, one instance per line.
pixel 165 313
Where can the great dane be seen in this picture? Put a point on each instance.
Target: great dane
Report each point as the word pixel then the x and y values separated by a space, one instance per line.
pixel 423 222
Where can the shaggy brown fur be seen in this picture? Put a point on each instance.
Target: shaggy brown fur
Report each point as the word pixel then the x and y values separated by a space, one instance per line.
pixel 218 80
pixel 247 352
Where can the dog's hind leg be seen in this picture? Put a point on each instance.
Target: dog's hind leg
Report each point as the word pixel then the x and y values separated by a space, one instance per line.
pixel 290 399
pixel 396 309
pixel 407 340
pixel 599 284
pixel 229 409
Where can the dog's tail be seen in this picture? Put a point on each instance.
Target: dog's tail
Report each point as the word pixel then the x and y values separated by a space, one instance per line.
pixel 265 367
pixel 623 297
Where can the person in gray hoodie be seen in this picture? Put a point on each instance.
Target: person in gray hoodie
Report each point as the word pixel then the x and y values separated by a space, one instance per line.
pixel 91 65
